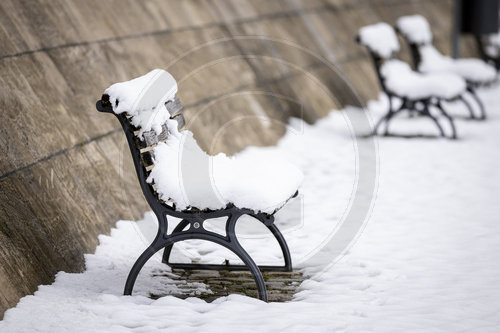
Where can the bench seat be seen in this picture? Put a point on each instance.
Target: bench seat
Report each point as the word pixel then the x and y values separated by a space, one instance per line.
pixel 401 80
pixel 473 70
pixel 190 178
pixel 418 92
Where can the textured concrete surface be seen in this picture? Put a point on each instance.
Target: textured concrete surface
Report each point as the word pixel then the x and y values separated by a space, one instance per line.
pixel 244 67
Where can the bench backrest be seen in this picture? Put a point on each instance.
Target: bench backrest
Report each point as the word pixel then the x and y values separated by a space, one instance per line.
pixel 381 41
pixel 489 48
pixel 416 30
pixel 142 148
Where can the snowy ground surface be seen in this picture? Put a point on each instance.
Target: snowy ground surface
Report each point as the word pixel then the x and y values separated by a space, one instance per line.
pixel 427 260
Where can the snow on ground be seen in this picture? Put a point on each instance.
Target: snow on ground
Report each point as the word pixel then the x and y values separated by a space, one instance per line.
pixel 427 259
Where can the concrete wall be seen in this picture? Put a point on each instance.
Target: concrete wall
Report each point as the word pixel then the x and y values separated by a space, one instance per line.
pixel 65 172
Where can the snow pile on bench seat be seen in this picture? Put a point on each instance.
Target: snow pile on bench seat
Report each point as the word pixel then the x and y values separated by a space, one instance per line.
pixel 379 38
pixel 415 28
pixel 187 175
pixel 471 69
pixel 141 97
pixel 191 178
pixel 404 82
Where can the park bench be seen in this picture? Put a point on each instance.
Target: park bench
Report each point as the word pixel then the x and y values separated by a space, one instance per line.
pixel 418 92
pixel 489 48
pixel 151 118
pixel 415 29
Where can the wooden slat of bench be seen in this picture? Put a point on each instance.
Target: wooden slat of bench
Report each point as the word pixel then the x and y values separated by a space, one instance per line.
pixel 147 148
pixel 151 138
pixel 181 122
pixel 174 107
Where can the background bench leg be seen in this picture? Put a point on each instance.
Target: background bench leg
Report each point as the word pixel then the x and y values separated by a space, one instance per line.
pixel 434 119
pixel 391 116
pixel 472 91
pixel 468 106
pixel 450 119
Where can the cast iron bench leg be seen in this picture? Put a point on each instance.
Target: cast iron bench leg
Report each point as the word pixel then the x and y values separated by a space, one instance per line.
pixel 472 91
pixel 287 267
pixel 284 247
pixel 134 272
pixel 230 242
pixel 404 106
pixel 168 250
pixel 468 106
pixel 450 119
pixel 427 113
pixel 384 118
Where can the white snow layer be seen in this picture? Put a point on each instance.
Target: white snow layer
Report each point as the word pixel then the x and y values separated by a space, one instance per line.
pixel 379 38
pixel 415 28
pixel 427 259
pixel 471 69
pixel 184 173
pixel 191 178
pixel 142 98
pixel 404 82
pixel 493 45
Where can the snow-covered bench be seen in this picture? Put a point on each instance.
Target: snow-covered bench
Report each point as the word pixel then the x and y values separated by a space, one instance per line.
pixel 418 92
pixel 489 48
pixel 178 179
pixel 426 58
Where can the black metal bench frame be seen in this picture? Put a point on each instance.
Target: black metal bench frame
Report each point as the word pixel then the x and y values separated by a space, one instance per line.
pixel 411 105
pixel 191 225
pixel 471 87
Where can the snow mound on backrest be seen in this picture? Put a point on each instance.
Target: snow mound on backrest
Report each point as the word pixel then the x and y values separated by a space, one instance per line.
pixel 415 28
pixel 380 38
pixel 142 99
